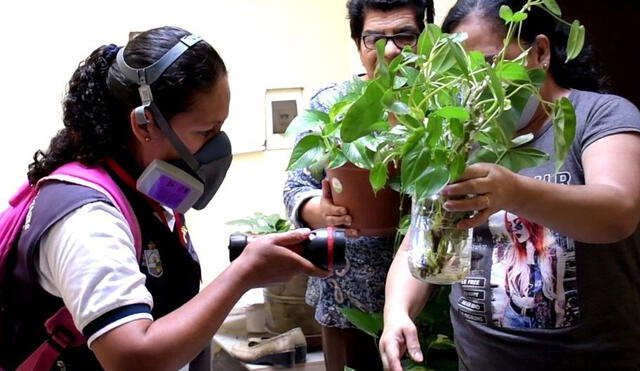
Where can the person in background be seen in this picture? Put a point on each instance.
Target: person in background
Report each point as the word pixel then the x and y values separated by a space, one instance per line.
pixel 580 312
pixel 307 198
pixel 147 314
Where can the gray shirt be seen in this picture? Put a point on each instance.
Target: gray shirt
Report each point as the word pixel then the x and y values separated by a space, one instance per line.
pixel 538 300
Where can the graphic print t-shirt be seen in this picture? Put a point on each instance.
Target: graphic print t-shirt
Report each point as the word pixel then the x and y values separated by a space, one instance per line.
pixel 535 299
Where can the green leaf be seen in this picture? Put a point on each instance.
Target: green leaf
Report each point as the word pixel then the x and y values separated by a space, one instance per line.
pixel 339 109
pixel 272 219
pixel 283 225
pixel 388 97
pixel 241 222
pixel 434 31
pixel 496 86
pixel 378 176
pixel 403 225
pixel 523 139
pixel 519 17
pixel 371 323
pixel 364 112
pixel 576 40
pixel 395 63
pixel 380 126
pixel 442 342
pixel 512 71
pixel 443 98
pixel 517 159
pixel 409 121
pixel 382 70
pixel 358 154
pixel 336 159
pixel 444 59
pixel 409 58
pixel 453 112
pixel 458 166
pixel 260 223
pixel 306 152
pixel 537 76
pixel 553 7
pixel 412 140
pixel 484 154
pixel 399 82
pixel 419 368
pixel 308 120
pixel 431 181
pixel 410 365
pixel 414 164
pixel 506 13
pixel 435 129
pixel 399 108
pixel 564 128
pixel 425 43
pixel 347 368
pixel 410 73
pixel 370 142
pixel 461 57
pixel 477 59
pixel 485 138
pixel 316 168
pixel 457 128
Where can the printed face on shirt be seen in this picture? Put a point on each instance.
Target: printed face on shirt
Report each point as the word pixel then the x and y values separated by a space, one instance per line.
pixel 379 23
pixel 516 226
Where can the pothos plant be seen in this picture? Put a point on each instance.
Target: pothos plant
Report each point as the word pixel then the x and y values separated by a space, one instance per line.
pixel 435 333
pixel 260 223
pixel 433 111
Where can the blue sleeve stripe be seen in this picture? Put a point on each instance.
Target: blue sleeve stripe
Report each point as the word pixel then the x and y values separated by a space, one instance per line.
pixel 112 316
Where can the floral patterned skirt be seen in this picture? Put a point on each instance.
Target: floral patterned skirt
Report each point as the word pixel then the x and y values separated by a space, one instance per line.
pixel 359 285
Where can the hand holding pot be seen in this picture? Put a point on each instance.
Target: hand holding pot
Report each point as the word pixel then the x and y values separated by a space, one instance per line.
pixel 493 186
pixel 320 212
pixel 268 259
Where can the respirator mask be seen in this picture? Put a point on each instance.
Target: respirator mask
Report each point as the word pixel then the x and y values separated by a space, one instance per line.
pixel 193 179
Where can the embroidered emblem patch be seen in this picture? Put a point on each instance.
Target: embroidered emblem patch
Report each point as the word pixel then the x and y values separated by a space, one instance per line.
pixel 152 260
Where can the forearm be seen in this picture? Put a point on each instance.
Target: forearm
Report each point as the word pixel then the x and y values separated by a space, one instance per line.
pixel 594 213
pixel 299 189
pixel 175 339
pixel 404 293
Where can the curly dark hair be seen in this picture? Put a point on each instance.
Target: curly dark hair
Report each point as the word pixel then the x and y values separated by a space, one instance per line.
pixel 99 99
pixel 357 11
pixel 580 73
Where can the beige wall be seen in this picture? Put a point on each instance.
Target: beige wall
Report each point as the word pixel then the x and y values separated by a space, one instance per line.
pixel 265 43
pixel 441 9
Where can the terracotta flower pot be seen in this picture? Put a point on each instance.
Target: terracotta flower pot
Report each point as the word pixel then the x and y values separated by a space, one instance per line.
pixel 372 214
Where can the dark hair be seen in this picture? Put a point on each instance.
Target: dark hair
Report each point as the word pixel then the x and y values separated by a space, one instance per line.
pixel 99 99
pixel 358 8
pixel 579 73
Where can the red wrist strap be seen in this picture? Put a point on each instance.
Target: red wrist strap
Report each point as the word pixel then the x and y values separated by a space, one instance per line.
pixel 330 232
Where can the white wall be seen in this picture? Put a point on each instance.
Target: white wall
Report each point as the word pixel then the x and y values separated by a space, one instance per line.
pixel 265 44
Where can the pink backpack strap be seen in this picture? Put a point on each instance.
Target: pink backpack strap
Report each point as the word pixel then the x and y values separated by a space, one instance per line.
pixel 63 333
pixel 60 327
pixel 12 220
pixel 98 179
